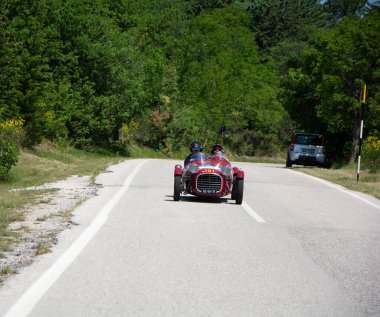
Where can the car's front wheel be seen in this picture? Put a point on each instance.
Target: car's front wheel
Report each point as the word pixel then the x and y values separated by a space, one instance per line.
pixel 177 187
pixel 234 187
pixel 239 191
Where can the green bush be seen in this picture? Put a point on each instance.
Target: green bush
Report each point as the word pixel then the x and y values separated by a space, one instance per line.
pixel 8 157
pixel 11 136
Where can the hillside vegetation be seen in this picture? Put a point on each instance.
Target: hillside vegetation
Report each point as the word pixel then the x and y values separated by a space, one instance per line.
pixel 109 74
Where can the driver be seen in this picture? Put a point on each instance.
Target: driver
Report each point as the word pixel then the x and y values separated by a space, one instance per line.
pixel 196 153
pixel 217 150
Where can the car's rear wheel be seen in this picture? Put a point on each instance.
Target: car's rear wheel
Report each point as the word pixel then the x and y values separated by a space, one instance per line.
pixel 177 187
pixel 239 191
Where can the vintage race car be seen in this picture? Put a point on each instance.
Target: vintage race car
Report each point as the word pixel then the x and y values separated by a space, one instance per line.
pixel 209 177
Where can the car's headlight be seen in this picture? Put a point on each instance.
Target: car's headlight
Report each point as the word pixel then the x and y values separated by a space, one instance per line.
pixel 226 170
pixel 193 168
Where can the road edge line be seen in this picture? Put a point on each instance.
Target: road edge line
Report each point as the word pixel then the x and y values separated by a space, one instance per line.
pixel 30 298
pixel 340 188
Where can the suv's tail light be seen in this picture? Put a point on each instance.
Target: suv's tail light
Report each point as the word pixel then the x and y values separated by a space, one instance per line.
pixel 291 148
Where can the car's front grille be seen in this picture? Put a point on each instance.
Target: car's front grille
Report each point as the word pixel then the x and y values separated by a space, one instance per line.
pixel 209 183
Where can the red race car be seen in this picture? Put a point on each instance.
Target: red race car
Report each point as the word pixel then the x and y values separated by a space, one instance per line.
pixel 209 177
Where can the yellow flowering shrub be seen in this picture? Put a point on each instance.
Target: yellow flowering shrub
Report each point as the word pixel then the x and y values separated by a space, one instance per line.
pixel 373 143
pixel 127 130
pixel 12 123
pixel 371 153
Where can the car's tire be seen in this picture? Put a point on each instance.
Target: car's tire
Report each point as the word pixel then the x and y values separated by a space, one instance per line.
pixel 234 188
pixel 327 164
pixel 239 191
pixel 288 162
pixel 177 187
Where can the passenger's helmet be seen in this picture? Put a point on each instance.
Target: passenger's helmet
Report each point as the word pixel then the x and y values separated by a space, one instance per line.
pixel 217 147
pixel 196 146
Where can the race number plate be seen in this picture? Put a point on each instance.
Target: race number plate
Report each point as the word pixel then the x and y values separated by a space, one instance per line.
pixel 209 191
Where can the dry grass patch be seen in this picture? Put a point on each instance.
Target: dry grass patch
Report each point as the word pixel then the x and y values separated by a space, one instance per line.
pixel 12 203
pixel 42 249
pixel 48 163
pixel 45 163
pixel 7 271
pixel 369 183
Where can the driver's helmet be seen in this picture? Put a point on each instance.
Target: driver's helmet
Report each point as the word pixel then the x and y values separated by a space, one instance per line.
pixel 216 148
pixel 196 146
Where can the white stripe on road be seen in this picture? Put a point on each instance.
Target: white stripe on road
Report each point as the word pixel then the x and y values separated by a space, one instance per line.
pixel 340 188
pixel 251 212
pixel 31 297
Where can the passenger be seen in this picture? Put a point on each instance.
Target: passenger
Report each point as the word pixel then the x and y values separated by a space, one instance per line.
pixel 196 153
pixel 217 150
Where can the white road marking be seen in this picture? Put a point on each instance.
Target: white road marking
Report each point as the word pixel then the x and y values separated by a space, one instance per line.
pixel 251 212
pixel 31 297
pixel 342 189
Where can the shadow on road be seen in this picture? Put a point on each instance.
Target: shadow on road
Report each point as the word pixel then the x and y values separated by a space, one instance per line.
pixel 202 200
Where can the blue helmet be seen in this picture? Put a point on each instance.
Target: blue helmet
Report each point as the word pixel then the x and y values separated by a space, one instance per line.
pixel 196 146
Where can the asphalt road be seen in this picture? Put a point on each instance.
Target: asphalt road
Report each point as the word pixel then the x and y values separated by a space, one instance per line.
pixel 296 247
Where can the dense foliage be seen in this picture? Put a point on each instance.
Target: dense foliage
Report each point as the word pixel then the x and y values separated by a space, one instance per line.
pixel 107 73
pixel 326 88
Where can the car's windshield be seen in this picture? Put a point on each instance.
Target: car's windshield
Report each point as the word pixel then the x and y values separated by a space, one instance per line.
pixel 217 160
pixel 307 139
pixel 205 160
pixel 197 158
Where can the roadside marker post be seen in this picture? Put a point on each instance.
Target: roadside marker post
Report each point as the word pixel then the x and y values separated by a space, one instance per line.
pixel 362 104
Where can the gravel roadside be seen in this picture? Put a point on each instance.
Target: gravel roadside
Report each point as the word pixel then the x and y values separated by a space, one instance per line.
pixel 44 220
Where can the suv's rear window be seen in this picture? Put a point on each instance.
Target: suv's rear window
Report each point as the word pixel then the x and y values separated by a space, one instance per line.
pixel 307 139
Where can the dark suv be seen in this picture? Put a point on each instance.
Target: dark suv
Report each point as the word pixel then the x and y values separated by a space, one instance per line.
pixel 306 149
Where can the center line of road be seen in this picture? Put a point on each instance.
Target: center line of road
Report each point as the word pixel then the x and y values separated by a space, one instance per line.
pixel 252 213
pixel 31 297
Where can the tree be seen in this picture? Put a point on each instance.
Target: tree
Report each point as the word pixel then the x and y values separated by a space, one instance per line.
pixel 199 6
pixel 224 80
pixel 338 63
pixel 337 9
pixel 274 21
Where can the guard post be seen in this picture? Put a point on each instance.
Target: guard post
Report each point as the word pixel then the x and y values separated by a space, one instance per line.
pixel 362 105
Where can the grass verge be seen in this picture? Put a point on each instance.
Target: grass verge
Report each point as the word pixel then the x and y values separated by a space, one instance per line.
pixel 48 163
pixel 43 164
pixel 369 183
pixel 11 209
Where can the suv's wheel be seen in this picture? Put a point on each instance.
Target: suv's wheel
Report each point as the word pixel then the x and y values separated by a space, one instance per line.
pixel 288 162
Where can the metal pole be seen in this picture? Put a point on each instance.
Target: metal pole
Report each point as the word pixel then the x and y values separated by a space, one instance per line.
pixel 362 102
